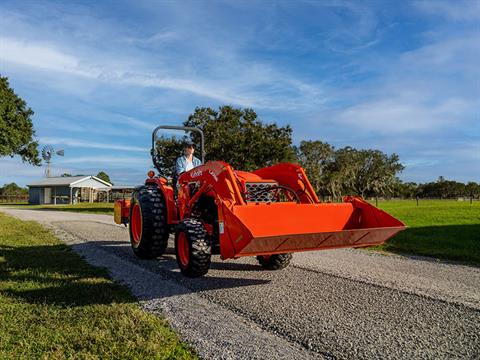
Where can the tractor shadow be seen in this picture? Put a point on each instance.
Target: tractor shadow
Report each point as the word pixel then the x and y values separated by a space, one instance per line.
pixel 60 275
pixel 222 275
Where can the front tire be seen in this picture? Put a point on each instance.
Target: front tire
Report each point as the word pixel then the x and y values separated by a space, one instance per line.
pixel 148 228
pixel 275 262
pixel 193 248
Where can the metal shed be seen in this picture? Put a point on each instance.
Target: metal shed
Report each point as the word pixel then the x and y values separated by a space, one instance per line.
pixel 64 190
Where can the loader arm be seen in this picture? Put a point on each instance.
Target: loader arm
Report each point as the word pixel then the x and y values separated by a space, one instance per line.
pixel 292 176
pixel 215 179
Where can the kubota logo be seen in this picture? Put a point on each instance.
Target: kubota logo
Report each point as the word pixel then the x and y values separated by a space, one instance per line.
pixel 213 175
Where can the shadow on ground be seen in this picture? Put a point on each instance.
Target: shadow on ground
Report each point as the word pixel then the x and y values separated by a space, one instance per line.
pixel 56 275
pixel 232 274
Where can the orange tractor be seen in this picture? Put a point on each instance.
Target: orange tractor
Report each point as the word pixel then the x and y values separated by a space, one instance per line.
pixel 269 213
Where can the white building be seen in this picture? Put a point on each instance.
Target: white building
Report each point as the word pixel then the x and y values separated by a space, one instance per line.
pixel 65 190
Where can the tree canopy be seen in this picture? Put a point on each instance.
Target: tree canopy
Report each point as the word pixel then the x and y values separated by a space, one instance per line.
pixel 440 189
pixel 235 136
pixel 13 189
pixel 315 157
pixel 348 171
pixel 16 127
pixel 102 175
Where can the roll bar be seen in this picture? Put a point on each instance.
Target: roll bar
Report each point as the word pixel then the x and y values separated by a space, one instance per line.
pixel 171 127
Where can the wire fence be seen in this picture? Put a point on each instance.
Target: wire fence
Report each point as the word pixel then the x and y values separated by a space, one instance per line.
pixel 13 199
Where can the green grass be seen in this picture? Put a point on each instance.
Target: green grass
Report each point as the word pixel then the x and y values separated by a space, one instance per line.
pixel 92 208
pixel 54 305
pixel 445 229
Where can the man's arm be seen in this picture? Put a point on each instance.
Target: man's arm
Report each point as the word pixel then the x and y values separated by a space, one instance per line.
pixel 196 161
pixel 179 167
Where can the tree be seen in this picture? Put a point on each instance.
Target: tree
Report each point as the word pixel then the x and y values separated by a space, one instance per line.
pixel 239 138
pixel 407 190
pixel 16 127
pixel 315 157
pixel 348 171
pixel 340 172
pixel 377 173
pixel 104 176
pixel 66 175
pixel 13 189
pixel 472 189
pixel 235 136
pixel 168 149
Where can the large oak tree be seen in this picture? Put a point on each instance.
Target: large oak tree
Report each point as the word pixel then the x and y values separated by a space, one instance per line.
pixel 16 127
pixel 236 136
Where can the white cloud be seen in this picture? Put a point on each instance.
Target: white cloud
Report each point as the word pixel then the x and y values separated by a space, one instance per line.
pixel 111 160
pixel 43 57
pixel 90 144
pixel 400 115
pixel 458 10
pixel 155 39
pixel 427 90
pixel 14 167
pixel 133 122
pixel 117 71
pixel 14 170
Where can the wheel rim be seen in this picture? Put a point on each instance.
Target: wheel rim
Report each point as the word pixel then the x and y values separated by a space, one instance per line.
pixel 136 224
pixel 183 250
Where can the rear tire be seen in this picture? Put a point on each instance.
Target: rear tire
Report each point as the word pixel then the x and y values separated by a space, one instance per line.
pixel 193 248
pixel 148 228
pixel 275 262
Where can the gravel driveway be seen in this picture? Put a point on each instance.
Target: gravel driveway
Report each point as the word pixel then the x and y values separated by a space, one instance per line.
pixel 343 304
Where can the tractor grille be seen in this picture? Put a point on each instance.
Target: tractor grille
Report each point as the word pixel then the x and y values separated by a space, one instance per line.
pixel 258 192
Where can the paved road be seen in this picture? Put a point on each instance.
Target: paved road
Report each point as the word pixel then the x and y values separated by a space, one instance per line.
pixel 343 304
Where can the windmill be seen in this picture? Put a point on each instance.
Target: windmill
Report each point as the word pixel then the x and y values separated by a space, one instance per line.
pixel 47 153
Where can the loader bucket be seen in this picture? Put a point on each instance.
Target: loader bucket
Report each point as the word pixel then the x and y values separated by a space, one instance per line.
pixel 273 228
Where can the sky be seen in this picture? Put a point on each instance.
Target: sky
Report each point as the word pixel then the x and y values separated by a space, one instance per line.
pixel 399 76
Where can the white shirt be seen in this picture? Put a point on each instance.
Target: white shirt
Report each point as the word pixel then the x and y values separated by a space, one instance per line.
pixel 188 165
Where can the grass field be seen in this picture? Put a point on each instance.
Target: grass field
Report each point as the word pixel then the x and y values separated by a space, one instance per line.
pixel 445 229
pixel 53 305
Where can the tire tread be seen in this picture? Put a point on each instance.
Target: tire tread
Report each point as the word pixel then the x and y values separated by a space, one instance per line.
pixel 155 230
pixel 275 262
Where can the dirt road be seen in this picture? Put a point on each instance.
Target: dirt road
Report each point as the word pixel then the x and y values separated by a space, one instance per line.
pixel 330 304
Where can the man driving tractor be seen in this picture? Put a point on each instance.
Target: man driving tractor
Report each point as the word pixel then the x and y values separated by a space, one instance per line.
pixel 269 213
pixel 187 161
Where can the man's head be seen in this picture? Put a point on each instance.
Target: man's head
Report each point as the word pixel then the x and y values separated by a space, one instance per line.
pixel 189 149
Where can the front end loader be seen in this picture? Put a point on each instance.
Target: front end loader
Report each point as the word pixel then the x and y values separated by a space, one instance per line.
pixel 269 213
